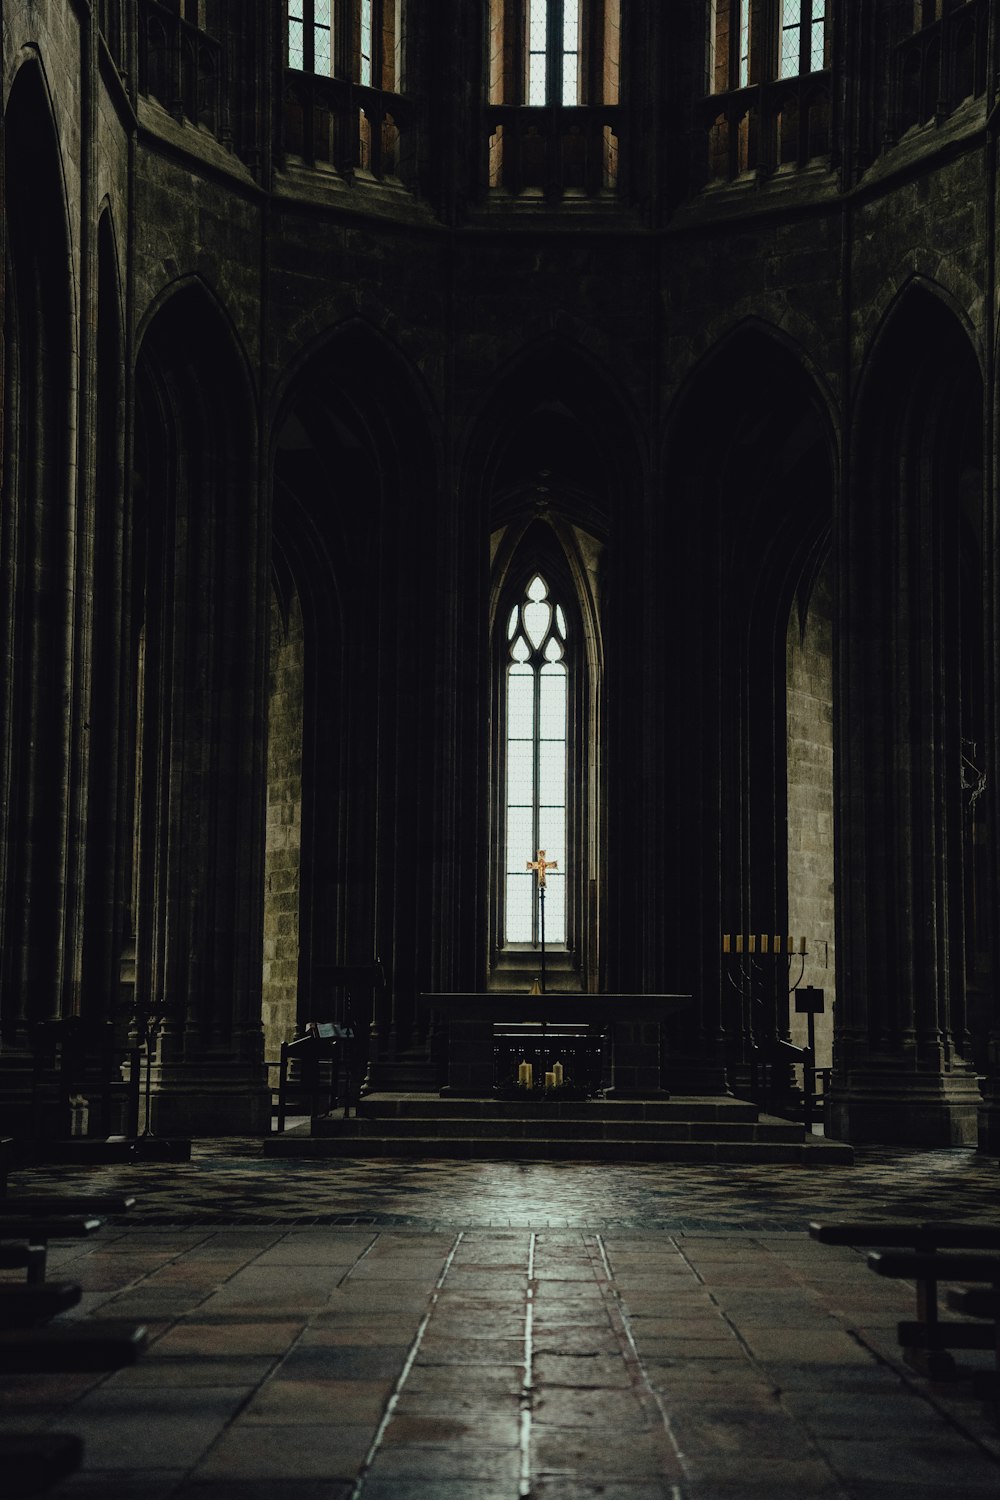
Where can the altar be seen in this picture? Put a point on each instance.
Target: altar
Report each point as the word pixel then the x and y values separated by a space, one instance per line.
pixel 633 1023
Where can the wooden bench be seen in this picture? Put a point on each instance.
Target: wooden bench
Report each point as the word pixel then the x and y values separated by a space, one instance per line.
pixel 31 1465
pixel 22 1306
pixel 928 1254
pixel 31 1234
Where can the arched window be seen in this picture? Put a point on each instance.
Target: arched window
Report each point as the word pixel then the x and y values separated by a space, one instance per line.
pixel 536 742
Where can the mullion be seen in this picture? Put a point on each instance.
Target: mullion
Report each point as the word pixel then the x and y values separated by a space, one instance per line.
pixel 553 53
pixel 536 767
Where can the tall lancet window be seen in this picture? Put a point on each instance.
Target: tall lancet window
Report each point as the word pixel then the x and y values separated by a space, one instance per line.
pixel 535 777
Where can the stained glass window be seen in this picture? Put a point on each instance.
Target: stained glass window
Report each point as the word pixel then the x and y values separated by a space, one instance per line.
pixel 553 27
pixel 310 36
pixel 535 771
pixel 538 31
pixel 365 61
pixel 744 43
pixel 803 26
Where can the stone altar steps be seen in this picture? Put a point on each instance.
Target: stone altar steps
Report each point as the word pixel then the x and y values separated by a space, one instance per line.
pixel 666 1130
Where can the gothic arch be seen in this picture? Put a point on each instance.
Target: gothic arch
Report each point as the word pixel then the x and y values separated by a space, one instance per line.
pixel 751 462
pixel 913 718
pixel 196 645
pixel 552 463
pixel 354 464
pixel 38 559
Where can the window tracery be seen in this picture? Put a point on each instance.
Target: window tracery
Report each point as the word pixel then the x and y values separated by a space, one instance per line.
pixel 536 717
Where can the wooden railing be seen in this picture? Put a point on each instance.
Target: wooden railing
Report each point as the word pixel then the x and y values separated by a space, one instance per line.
pixel 347 126
pixel 553 152
pixel 938 67
pixel 784 122
pixel 183 68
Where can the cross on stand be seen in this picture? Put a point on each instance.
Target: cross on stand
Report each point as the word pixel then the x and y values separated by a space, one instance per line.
pixel 540 865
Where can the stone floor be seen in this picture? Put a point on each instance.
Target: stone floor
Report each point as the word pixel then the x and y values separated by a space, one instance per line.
pixel 490 1330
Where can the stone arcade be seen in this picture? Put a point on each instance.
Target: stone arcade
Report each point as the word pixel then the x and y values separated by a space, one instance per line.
pixel 429 437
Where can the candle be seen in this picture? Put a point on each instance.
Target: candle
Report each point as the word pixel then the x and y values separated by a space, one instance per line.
pixel 763 942
pixel 777 942
pixel 791 944
pixel 725 942
pixel 524 1074
pixel 802 945
pixel 752 940
pixel 557 1072
pixel 550 1079
pixel 739 942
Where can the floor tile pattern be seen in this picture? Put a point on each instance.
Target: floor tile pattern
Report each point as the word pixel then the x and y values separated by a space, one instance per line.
pixel 492 1331
pixel 229 1181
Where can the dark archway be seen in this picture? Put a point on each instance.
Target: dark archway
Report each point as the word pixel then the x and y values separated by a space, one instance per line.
pixel 355 552
pixel 36 560
pixel 553 468
pixel 197 658
pixel 911 728
pixel 751 469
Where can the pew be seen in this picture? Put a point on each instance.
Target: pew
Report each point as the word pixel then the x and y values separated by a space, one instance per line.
pixel 928 1254
pixel 32 1463
pixel 33 1232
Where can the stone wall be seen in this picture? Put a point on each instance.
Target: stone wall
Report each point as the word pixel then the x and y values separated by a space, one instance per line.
pixel 810 805
pixel 284 821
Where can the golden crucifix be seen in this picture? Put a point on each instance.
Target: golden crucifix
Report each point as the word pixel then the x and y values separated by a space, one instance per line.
pixel 540 865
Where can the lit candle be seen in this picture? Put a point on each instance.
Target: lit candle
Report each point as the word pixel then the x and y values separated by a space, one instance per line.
pixel 725 942
pixel 557 1072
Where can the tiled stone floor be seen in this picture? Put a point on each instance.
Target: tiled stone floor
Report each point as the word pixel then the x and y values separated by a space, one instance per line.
pixel 487 1331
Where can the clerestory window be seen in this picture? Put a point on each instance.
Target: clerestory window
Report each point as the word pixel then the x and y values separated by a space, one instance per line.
pixel 753 41
pixel 361 40
pixel 554 52
pixel 310 36
pixel 536 713
pixel 802 40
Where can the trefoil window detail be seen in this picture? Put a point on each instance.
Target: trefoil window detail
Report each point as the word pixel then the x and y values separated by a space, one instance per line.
pixel 535 764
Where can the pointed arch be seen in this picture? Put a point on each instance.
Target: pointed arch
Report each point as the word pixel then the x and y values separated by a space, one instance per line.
pixel 752 451
pixel 551 454
pixel 196 664
pixel 354 462
pixel 914 715
pixel 38 559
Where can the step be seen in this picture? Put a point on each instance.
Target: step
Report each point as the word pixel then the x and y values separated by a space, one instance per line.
pixel 402 1129
pixel 807 1151
pixel 426 1106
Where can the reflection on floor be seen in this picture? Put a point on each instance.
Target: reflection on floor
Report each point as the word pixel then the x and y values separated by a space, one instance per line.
pixel 481 1330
